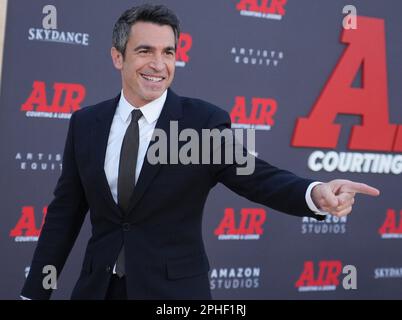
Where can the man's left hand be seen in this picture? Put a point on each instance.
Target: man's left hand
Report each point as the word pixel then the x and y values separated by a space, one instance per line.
pixel 338 196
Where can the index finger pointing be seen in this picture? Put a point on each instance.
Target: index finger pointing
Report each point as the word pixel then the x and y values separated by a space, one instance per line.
pixel 357 187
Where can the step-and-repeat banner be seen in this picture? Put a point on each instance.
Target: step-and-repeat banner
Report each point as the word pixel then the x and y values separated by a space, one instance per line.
pixel 319 81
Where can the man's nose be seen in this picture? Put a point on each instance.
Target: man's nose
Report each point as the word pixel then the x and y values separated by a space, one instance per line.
pixel 157 63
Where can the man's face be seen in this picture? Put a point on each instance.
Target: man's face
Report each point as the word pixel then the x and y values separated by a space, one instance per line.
pixel 148 67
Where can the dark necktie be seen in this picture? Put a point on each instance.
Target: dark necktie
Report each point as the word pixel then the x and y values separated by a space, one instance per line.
pixel 126 177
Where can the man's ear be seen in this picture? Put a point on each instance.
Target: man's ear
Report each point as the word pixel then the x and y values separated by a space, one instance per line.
pixel 117 58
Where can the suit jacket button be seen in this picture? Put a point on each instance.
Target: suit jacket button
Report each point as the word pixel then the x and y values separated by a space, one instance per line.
pixel 126 226
pixel 108 268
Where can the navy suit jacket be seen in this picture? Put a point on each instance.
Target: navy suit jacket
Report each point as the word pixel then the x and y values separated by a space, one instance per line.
pixel 162 233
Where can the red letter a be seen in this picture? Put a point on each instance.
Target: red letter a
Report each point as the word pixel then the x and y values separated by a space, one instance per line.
pixel 367 49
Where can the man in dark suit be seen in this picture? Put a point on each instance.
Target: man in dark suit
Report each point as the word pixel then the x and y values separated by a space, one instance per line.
pixel 146 218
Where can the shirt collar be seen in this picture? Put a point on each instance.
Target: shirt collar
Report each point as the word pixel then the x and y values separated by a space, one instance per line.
pixel 150 111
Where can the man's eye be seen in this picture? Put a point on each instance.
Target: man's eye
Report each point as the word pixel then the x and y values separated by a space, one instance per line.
pixel 170 53
pixel 143 51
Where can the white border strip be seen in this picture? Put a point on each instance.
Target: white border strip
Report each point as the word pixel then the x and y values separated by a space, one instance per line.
pixel 3 13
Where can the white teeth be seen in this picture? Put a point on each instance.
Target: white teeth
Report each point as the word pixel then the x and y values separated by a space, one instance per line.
pixel 153 79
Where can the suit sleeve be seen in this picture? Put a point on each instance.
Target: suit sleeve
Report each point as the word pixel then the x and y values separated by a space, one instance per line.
pixel 267 185
pixel 65 216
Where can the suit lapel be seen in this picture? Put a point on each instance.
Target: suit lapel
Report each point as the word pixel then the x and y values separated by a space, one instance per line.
pixel 99 139
pixel 172 110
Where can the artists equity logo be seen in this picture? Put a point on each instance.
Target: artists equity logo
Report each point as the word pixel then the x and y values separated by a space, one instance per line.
pixel 49 31
pixel 331 225
pixel 326 277
pixel 259 116
pixel 234 278
pixel 268 9
pixel 392 226
pixel 39 161
pixel 249 226
pixel 66 98
pixel 370 102
pixel 183 47
pixel 257 57
pixel 25 230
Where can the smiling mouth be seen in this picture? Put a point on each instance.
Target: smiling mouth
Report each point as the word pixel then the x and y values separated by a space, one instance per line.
pixel 152 78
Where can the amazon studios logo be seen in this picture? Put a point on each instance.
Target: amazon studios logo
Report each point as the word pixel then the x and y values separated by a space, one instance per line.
pixel 331 225
pixel 234 278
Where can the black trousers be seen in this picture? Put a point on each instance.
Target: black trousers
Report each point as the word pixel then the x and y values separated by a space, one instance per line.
pixel 117 288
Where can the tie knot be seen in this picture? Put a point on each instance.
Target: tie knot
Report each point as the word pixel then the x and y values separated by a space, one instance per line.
pixel 136 115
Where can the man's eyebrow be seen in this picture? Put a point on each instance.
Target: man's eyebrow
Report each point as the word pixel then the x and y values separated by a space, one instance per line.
pixel 143 46
pixel 148 47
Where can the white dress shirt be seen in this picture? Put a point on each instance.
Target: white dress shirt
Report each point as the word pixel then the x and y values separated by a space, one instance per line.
pixel 310 202
pixel 120 123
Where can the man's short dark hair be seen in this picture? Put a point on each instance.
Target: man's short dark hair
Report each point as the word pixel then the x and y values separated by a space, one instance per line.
pixel 158 14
